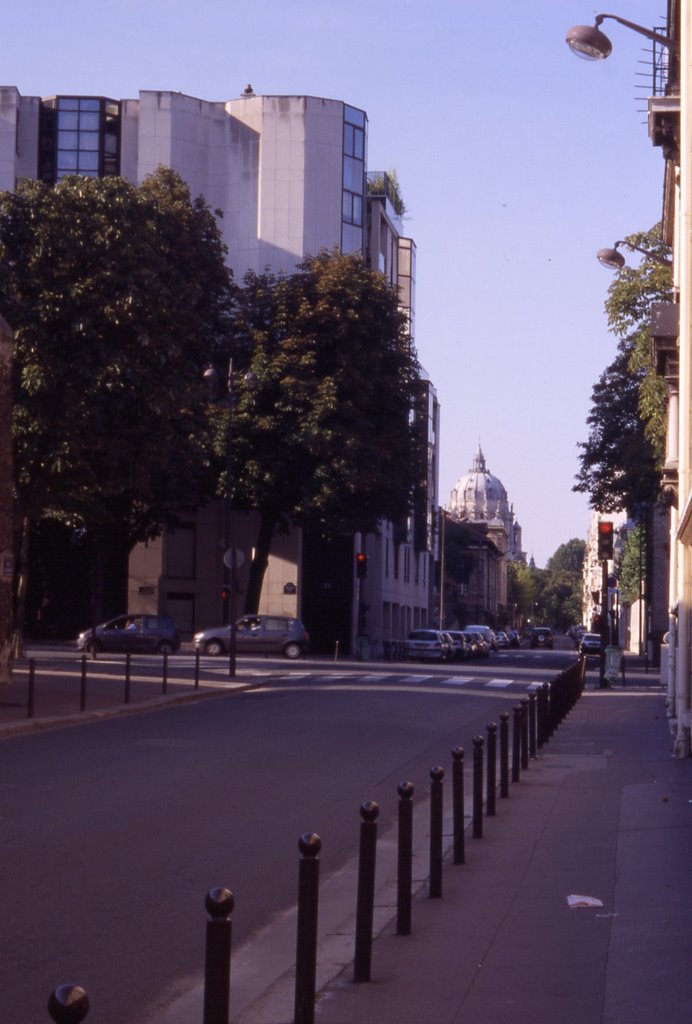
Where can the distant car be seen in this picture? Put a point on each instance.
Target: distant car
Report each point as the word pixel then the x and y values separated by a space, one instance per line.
pixel 541 636
pixel 590 645
pixel 479 646
pixel 514 638
pixel 427 645
pixel 134 634
pixel 502 639
pixel 462 647
pixel 256 634
pixel 487 634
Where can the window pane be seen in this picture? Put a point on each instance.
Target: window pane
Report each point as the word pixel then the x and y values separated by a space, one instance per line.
pixel 346 206
pixel 348 140
pixel 353 175
pixel 67 161
pixel 88 161
pixel 357 210
pixel 68 103
pixel 359 144
pixel 354 116
pixel 89 104
pixel 89 122
pixel 88 140
pixel 67 140
pixel 69 119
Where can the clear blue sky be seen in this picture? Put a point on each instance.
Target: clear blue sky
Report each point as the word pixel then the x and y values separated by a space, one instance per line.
pixel 516 161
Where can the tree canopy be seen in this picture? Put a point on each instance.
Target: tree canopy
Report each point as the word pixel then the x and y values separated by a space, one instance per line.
pixel 621 459
pixel 325 383
pixel 116 295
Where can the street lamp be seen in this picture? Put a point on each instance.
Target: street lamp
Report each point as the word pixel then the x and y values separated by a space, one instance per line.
pixel 589 42
pixel 614 260
pixel 228 607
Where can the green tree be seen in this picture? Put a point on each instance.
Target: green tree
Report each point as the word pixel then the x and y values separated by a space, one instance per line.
pixel 632 565
pixel 326 380
pixel 524 590
pixel 117 296
pixel 562 593
pixel 620 461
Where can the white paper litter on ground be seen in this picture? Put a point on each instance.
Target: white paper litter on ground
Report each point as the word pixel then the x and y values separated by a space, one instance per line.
pixel 583 901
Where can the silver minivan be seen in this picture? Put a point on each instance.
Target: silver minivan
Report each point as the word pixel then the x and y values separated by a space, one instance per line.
pixel 257 634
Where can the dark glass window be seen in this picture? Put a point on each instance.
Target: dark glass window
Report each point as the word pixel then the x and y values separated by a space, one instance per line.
pixel 79 135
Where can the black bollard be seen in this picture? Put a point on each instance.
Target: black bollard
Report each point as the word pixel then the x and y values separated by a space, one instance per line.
pixel 524 733
pixel 128 676
pixel 491 769
pixel 404 877
pixel 365 903
pixel 436 821
pixel 68 1004
pixel 532 724
pixel 164 674
pixel 516 742
pixel 32 689
pixel 458 804
pixel 309 845
pixel 504 755
pixel 83 683
pixel 197 670
pixel 217 958
pixel 478 787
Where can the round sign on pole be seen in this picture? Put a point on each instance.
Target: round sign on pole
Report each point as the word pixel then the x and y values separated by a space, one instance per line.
pixel 228 558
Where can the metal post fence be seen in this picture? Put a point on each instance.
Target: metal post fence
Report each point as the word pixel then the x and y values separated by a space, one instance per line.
pixel 458 804
pixel 532 724
pixel 309 845
pixel 68 1004
pixel 491 770
pixel 365 903
pixel 504 755
pixel 436 838
pixel 477 831
pixel 524 733
pixel 219 904
pixel 83 683
pixel 32 689
pixel 516 742
pixel 404 859
pixel 128 676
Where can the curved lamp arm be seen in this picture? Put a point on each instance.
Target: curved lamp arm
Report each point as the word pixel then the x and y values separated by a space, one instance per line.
pixel 614 260
pixel 589 42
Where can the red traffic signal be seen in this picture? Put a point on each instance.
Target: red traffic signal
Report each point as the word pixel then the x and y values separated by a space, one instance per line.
pixel 605 540
pixel 225 592
pixel 361 565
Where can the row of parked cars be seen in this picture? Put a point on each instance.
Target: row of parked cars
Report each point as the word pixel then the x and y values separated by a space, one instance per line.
pixel 451 644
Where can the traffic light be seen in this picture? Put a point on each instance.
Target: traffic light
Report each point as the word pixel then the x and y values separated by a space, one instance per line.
pixel 361 565
pixel 605 541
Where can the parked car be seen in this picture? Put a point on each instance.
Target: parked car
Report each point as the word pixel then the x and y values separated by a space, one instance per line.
pixel 462 647
pixel 256 634
pixel 479 647
pixel 487 634
pixel 514 638
pixel 590 645
pixel 541 636
pixel 502 639
pixel 427 645
pixel 133 633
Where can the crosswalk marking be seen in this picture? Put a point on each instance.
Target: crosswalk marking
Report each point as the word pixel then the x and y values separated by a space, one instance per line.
pixel 416 679
pixel 499 683
pixel 457 680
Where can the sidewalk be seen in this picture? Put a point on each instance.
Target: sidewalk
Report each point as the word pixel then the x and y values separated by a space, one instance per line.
pixel 605 811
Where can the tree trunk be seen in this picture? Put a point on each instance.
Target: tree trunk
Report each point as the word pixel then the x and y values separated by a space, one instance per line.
pixel 258 566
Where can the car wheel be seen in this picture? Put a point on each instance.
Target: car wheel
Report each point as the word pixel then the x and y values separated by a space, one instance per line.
pixel 165 648
pixel 292 651
pixel 214 648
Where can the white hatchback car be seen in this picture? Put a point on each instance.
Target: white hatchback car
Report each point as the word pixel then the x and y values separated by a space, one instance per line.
pixel 427 645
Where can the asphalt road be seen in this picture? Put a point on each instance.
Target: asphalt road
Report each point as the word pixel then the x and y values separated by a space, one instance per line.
pixel 112 833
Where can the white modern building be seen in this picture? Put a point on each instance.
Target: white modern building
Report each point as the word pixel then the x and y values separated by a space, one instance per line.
pixel 289 176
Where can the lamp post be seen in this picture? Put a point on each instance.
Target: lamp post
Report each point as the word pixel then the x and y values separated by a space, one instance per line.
pixel 589 42
pixel 614 260
pixel 228 607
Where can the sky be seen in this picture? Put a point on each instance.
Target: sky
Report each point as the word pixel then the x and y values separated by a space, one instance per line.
pixel 516 161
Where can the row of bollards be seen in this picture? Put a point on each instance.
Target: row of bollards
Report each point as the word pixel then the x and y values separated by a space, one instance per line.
pixel 127 682
pixel 534 720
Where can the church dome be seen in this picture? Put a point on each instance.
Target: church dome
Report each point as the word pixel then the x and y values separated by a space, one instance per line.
pixel 479 496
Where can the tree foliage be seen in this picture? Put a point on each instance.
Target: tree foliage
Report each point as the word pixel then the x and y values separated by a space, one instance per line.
pixel 620 461
pixel 116 296
pixel 325 382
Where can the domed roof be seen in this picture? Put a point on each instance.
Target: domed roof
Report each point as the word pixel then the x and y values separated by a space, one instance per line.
pixel 479 496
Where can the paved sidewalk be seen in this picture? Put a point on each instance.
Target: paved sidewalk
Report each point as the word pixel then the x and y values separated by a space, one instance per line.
pixel 605 812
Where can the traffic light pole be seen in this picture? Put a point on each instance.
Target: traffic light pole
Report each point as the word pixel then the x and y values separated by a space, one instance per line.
pixel 605 625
